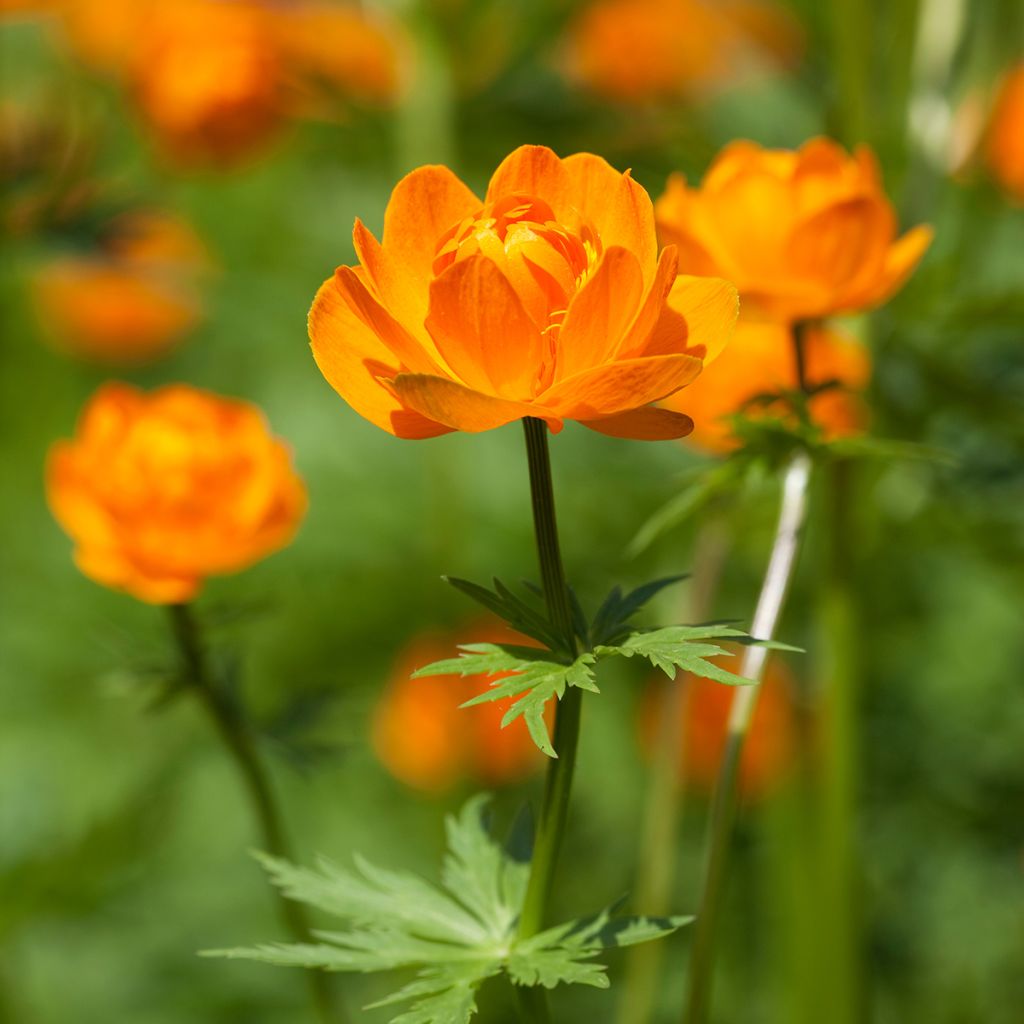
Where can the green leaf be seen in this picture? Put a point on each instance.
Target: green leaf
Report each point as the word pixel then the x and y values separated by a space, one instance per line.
pixel 616 610
pixel 536 679
pixel 682 647
pixel 506 605
pixel 454 937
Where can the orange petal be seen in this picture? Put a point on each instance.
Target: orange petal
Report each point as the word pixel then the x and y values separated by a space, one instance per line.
pixel 699 317
pixel 647 317
pixel 352 357
pixel 536 171
pixel 423 205
pixel 616 205
pixel 459 407
pixel 901 259
pixel 600 313
pixel 482 330
pixel 403 346
pixel 619 386
pixel 647 423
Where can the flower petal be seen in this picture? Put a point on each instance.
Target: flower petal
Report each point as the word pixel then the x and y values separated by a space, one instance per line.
pixel 459 407
pixel 635 341
pixel 405 348
pixel 423 206
pixel 482 330
pixel 699 318
pixel 647 423
pixel 901 259
pixel 619 386
pixel 600 313
pixel 535 171
pixel 616 205
pixel 352 357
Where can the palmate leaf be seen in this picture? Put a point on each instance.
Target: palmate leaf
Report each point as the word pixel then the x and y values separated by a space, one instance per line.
pixel 455 937
pixel 534 680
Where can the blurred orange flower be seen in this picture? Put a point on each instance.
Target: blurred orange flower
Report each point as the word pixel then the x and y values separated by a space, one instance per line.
pixel 1004 147
pixel 545 299
pixel 760 360
pixel 425 739
pixel 637 50
pixel 769 749
pixel 161 490
pixel 132 299
pixel 803 234
pixel 216 80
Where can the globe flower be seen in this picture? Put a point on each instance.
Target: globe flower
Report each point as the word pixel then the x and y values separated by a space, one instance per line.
pixel 760 360
pixel 545 299
pixel 130 300
pixel 1004 147
pixel 687 46
pixel 159 491
pixel 426 740
pixel 803 234
pixel 770 746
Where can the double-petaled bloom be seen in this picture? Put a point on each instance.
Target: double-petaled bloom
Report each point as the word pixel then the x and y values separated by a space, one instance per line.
pixel 159 491
pixel 547 298
pixel 802 234
pixel 426 740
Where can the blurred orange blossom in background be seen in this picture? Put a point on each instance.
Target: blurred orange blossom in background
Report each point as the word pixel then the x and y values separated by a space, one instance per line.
pixel 803 234
pixel 770 748
pixel 159 491
pixel 545 299
pixel 1004 144
pixel 216 79
pixel 426 740
pixel 760 360
pixel 132 298
pixel 639 50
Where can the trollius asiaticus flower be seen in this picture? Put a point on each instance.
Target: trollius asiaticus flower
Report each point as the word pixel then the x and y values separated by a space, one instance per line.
pixel 159 491
pixel 547 298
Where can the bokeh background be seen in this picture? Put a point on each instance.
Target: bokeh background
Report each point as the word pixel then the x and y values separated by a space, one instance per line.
pixel 879 868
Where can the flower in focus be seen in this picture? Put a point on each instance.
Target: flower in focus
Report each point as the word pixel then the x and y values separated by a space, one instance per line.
pixel 547 298
pixel 769 749
pixel 159 491
pixel 760 360
pixel 803 234
pixel 132 299
pixel 216 81
pixel 638 50
pixel 426 740
pixel 1004 145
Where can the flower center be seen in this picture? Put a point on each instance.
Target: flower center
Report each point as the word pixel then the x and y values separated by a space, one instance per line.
pixel 545 260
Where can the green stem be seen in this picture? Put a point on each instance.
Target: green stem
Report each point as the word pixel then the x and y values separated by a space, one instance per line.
pixel 238 741
pixel 659 830
pixel 558 783
pixel 724 804
pixel 533 1005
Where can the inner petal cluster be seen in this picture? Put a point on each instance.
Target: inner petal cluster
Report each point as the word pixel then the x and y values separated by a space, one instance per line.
pixel 545 260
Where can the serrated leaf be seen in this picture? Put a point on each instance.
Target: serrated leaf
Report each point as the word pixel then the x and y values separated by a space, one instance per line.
pixel 681 647
pixel 512 609
pixel 616 610
pixel 397 920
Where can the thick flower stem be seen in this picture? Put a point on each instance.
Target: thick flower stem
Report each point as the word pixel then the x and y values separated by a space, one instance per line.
pixel 558 783
pixel 239 743
pixel 724 805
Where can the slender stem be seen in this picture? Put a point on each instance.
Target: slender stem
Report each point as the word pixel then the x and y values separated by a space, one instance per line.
pixel 533 1005
pixel 238 741
pixel 558 783
pixel 656 869
pixel 725 800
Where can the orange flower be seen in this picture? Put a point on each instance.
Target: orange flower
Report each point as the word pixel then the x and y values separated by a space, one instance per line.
pixel 206 77
pixel 760 360
pixel 160 490
pixel 130 301
pixel 769 749
pixel 545 299
pixel 802 234
pixel 637 50
pixel 216 80
pixel 425 739
pixel 1005 140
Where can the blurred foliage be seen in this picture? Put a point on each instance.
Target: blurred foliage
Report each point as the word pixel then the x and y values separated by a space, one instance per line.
pixel 122 832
